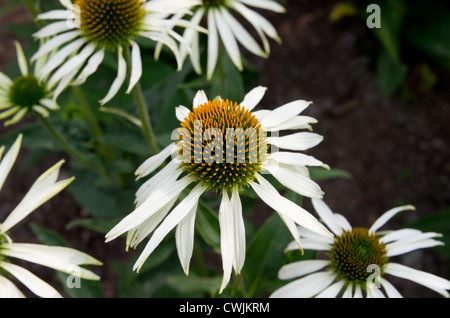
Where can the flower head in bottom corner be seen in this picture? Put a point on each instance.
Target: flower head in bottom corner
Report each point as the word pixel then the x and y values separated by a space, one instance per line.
pixel 222 146
pixel 62 259
pixel 359 260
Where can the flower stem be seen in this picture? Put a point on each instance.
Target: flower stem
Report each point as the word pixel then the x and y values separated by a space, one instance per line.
pixel 141 105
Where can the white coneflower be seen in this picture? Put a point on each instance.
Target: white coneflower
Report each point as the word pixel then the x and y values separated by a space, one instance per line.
pixel 223 147
pixel 223 26
pixel 87 29
pixel 27 92
pixel 358 260
pixel 59 258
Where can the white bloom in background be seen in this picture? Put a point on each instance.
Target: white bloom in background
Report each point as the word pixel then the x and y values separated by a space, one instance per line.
pixel 209 132
pixel 59 258
pixel 224 27
pixel 27 92
pixel 85 30
pixel 359 260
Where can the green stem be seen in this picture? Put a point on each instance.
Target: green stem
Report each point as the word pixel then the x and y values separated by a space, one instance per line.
pixel 141 105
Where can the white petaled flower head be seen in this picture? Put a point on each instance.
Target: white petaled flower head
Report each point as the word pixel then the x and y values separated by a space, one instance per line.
pixel 87 28
pixel 62 259
pixel 224 27
pixel 359 260
pixel 222 146
pixel 27 92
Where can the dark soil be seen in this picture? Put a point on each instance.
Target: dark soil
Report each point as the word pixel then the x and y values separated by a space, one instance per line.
pixel 396 150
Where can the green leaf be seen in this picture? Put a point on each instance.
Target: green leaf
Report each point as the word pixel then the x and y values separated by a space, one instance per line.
pixel 392 16
pixel 265 255
pixel 207 223
pixel 99 199
pixel 194 285
pixel 227 81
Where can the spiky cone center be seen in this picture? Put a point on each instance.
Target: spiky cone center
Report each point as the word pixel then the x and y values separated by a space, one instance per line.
pixel 26 91
pixel 110 23
pixel 222 145
pixel 357 255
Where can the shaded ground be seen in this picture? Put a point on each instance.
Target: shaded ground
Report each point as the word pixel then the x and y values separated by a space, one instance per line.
pixel 396 151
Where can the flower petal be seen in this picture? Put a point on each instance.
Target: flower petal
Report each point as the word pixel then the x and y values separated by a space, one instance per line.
pixel 184 238
pixel 9 159
pixel 252 98
pixel 305 287
pixel 136 65
pixel 174 217
pixel 327 216
pixel 387 216
pixel 301 268
pixel 121 75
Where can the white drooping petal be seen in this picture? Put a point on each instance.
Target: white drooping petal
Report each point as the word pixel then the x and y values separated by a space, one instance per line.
pixel 358 292
pixel 44 188
pixel 296 182
pixel 182 112
pixel 226 239
pixel 31 281
pixel 387 216
pixel 265 4
pixel 23 64
pixel 92 65
pixel 200 98
pixel 348 291
pixel 401 247
pixel 136 65
pixel 436 283
pixel 252 98
pixel 121 75
pixel 149 165
pixel 292 227
pixel 72 64
pixel 301 268
pixel 305 287
pixel 308 244
pixel 168 175
pixel 213 46
pixel 8 289
pixel 238 231
pixel 399 235
pixel 295 159
pixel 52 29
pixel 390 290
pixel 137 235
pixel 297 141
pixel 297 122
pixel 284 113
pixel 9 159
pixel 331 291
pixel 55 15
pixel 151 205
pixel 374 292
pixel 54 43
pixel 286 207
pixel 184 238
pixel 172 220
pixel 63 259
pixel 327 216
pixel 5 81
pixel 49 103
pixel 241 34
pixel 228 39
pixel 60 57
